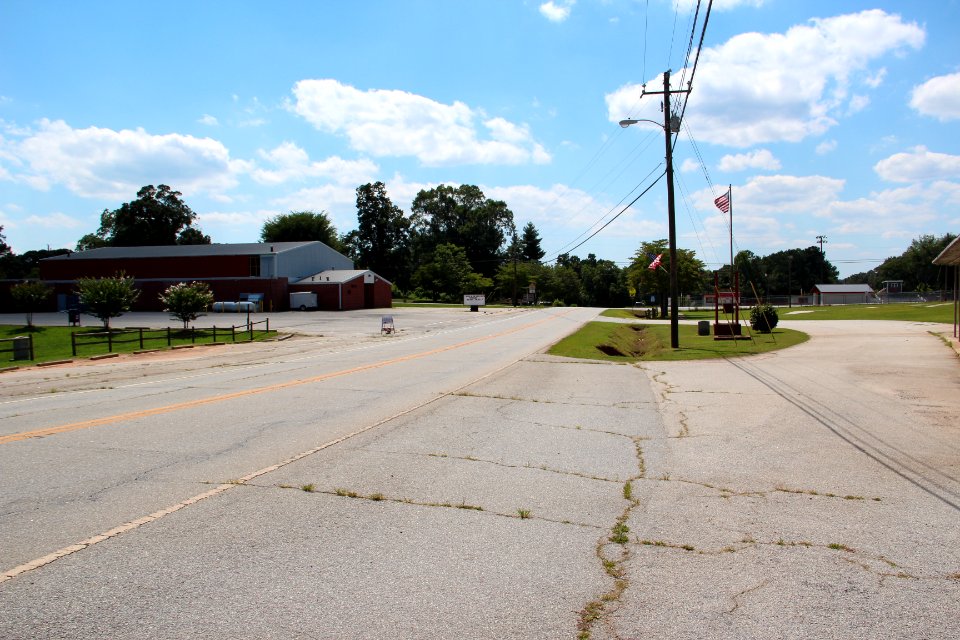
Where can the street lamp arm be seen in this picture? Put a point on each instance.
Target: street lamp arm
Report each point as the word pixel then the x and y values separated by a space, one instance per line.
pixel 629 121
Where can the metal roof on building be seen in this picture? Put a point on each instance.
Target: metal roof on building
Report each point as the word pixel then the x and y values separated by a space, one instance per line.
pixel 950 256
pixel 185 251
pixel 334 276
pixel 844 288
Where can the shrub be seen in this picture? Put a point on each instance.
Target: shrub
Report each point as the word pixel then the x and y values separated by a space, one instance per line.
pixel 187 302
pixel 107 298
pixel 29 297
pixel 763 318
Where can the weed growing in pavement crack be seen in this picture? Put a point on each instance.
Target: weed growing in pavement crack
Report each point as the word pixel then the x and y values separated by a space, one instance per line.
pixel 523 513
pixel 309 488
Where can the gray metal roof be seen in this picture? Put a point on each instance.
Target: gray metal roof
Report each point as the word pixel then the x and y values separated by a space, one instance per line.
pixel 844 288
pixel 950 256
pixel 334 276
pixel 185 251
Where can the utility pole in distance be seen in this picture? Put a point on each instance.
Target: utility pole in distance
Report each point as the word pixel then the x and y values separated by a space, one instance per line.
pixel 821 240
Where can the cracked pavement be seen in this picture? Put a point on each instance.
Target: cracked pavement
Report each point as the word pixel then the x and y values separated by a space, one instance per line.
pixel 808 493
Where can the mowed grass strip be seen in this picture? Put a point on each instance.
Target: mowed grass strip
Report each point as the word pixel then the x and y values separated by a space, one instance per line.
pixel 908 312
pixel 53 343
pixel 648 342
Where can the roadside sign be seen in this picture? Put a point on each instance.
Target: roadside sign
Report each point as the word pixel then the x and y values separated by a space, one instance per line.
pixel 473 300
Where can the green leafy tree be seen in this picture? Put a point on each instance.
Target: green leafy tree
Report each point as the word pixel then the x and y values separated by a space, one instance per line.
pixel 91 241
pixel 381 241
pixel 448 275
pixel 187 302
pixel 301 226
pixel 193 235
pixel 646 281
pixel 603 283
pixel 530 239
pixel 158 216
pixel 464 217
pixel 915 265
pixel 29 297
pixel 107 298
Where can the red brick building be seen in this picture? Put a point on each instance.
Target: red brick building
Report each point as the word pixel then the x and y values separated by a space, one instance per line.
pixel 233 272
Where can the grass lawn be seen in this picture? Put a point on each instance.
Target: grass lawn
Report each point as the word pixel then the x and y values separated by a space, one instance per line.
pixel 639 342
pixel 910 312
pixel 54 343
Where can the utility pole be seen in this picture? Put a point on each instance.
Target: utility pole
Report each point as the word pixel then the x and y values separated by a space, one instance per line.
pixel 821 240
pixel 671 125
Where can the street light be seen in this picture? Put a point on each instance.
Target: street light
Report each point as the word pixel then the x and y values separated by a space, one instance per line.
pixel 671 125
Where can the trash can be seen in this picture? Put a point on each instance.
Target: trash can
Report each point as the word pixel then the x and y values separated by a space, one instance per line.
pixel 703 328
pixel 21 348
pixel 73 316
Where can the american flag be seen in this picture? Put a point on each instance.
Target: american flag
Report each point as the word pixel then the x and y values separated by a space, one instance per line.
pixel 656 262
pixel 723 202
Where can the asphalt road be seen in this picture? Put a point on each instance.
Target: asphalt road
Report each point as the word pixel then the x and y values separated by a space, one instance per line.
pixel 453 482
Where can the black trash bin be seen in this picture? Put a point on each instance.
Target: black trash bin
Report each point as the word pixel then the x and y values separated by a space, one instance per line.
pixel 703 328
pixel 73 316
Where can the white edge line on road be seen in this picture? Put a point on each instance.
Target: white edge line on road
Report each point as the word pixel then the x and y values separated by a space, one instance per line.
pixel 219 489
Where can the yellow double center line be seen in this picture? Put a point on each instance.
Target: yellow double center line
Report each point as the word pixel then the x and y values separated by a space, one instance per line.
pixel 156 515
pixel 135 415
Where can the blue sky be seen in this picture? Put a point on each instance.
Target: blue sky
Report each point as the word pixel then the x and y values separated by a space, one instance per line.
pixel 831 118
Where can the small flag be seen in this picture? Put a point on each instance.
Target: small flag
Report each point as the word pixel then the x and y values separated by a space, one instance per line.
pixel 656 262
pixel 723 202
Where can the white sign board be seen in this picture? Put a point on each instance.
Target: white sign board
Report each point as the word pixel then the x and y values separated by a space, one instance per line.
pixel 475 300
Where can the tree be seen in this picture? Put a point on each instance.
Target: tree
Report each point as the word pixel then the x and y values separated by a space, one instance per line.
pixel 192 235
pixel 91 241
pixel 646 281
pixel 29 297
pixel 448 275
pixel 187 302
pixel 603 283
pixel 530 249
pixel 381 241
pixel 26 266
pixel 915 265
pixel 464 217
pixel 107 298
pixel 156 217
pixel 301 226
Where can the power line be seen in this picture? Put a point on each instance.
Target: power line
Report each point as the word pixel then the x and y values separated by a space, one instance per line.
pixel 643 193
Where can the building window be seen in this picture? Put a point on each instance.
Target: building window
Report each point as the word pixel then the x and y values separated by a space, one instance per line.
pixel 255 266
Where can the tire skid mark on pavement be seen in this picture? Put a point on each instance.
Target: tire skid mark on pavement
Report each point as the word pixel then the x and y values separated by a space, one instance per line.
pixel 222 488
pixel 915 471
pixel 135 415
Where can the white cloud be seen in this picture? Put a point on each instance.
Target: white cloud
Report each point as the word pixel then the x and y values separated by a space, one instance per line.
pixel 759 88
pixel 292 164
pixel 97 162
pixel 826 147
pixel 689 165
pixel 938 97
pixel 209 120
pixel 919 165
pixel 759 159
pixel 397 123
pixel 557 11
pixel 54 221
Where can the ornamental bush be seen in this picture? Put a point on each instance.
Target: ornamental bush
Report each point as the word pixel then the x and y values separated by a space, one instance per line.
pixel 187 302
pixel 30 297
pixel 107 298
pixel 763 318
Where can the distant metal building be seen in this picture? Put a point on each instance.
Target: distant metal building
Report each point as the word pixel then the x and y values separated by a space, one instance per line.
pixel 843 294
pixel 344 290
pixel 233 271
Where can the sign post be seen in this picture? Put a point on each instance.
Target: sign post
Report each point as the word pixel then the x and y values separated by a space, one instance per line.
pixel 474 301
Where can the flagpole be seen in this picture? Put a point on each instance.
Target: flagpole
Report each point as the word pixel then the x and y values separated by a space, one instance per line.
pixel 730 200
